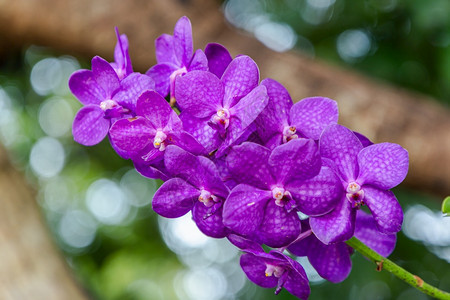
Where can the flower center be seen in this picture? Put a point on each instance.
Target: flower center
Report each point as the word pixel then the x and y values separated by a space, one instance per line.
pixel 289 133
pixel 220 120
pixel 207 198
pixel 355 194
pixel 108 104
pixel 272 270
pixel 158 141
pixel 281 196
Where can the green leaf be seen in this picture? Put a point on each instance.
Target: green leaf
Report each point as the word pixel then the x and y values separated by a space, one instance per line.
pixel 446 206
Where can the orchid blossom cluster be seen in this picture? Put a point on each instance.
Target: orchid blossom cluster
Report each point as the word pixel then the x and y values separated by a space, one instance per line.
pixel 248 163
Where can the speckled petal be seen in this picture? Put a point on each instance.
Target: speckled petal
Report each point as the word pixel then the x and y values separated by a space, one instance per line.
pixel 131 135
pixel 160 74
pixel 336 226
pixel 332 262
pixel 297 160
pixel 278 227
pixel 383 165
pixel 242 115
pixel 247 163
pixel 297 282
pixel 174 198
pixel 385 209
pixel 367 232
pixel 83 85
pixel 243 210
pixel 164 49
pixel 218 58
pixel 275 116
pixel 312 115
pixel 210 224
pixel 182 41
pixel 318 195
pixel 207 136
pixel 105 76
pixel 131 88
pixel 199 61
pixel 89 126
pixel 154 171
pixel 339 144
pixel 255 269
pixel 240 77
pixel 199 93
pixel 156 110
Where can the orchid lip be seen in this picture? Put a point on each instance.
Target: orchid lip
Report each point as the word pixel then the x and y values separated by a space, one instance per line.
pixel 289 133
pixel 159 140
pixel 272 270
pixel 207 198
pixel 281 196
pixel 221 118
pixel 108 104
pixel 355 194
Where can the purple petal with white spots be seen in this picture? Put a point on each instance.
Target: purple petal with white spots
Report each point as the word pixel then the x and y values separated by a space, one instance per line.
pixel 186 141
pixel 279 227
pixel 383 165
pixel 296 282
pixel 174 198
pixel 218 58
pixel 131 88
pixel 297 160
pixel 160 74
pixel 199 61
pixel 385 209
pixel 164 49
pixel 336 226
pixel 255 269
pixel 154 171
pixel 243 210
pixel 199 93
pixel 312 115
pixel 341 146
pixel 318 195
pixel 156 110
pixel 332 262
pixel 105 76
pixel 182 41
pixel 240 77
pixel 208 137
pixel 89 126
pixel 275 116
pixel 210 224
pixel 367 232
pixel 242 115
pixel 247 163
pixel 243 243
pixel 83 85
pixel 131 135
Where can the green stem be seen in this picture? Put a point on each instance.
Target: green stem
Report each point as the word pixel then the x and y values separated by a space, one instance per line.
pixel 388 265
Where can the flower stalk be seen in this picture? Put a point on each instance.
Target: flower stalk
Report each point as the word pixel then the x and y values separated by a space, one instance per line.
pixel 388 265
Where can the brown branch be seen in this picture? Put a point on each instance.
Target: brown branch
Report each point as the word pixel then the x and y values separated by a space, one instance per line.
pixel 30 265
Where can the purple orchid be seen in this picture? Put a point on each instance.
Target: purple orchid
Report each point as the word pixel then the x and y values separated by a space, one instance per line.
pixel 175 57
pixel 282 121
pixel 197 187
pixel 105 99
pixel 333 262
pixel 219 112
pixel 366 176
pixel 122 62
pixel 273 185
pixel 155 126
pixel 275 269
pixel 218 58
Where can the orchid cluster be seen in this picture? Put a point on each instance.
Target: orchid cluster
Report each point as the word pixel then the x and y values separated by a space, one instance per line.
pixel 249 164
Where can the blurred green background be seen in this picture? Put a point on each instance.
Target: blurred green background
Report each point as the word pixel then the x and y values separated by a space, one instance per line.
pixel 98 207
